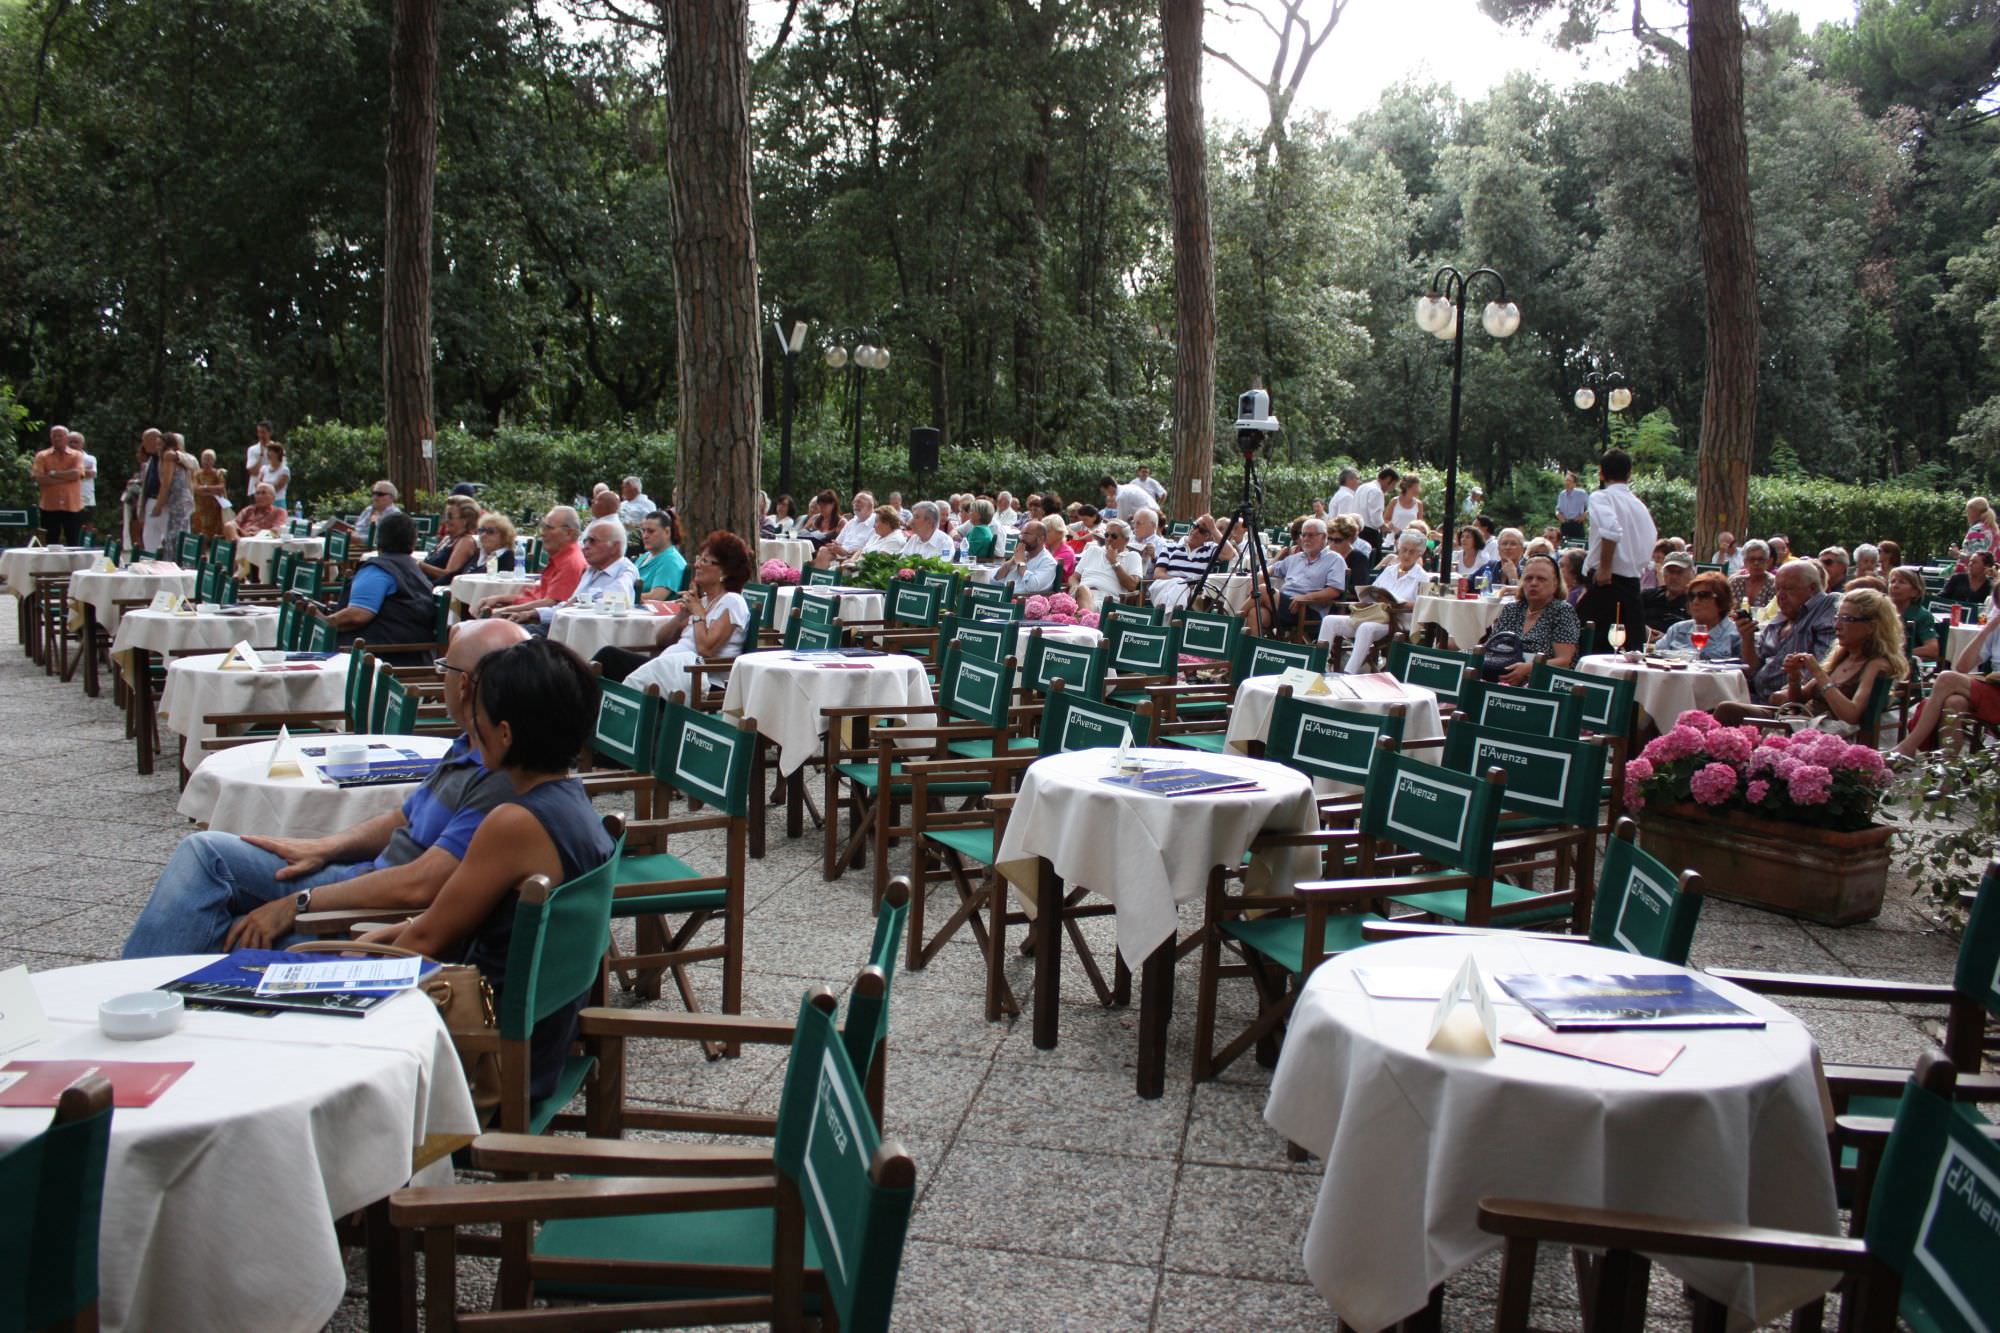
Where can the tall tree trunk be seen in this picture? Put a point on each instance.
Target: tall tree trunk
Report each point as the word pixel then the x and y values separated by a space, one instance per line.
pixel 406 244
pixel 1729 267
pixel 715 262
pixel 1194 261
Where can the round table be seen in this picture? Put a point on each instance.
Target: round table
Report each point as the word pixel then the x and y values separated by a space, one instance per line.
pixel 1082 634
pixel 197 688
pixel 102 591
pixel 856 604
pixel 784 695
pixel 1070 828
pixel 1465 621
pixel 220 1198
pixel 1957 637
pixel 1733 1131
pixel 230 792
pixel 255 554
pixel 586 629
pixel 181 631
pixel 1250 715
pixel 794 551
pixel 468 589
pixel 20 564
pixel 1665 694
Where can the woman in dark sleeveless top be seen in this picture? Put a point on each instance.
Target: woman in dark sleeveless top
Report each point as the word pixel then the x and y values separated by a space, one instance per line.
pixel 533 705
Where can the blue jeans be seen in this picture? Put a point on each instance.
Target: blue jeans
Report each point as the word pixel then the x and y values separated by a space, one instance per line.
pixel 211 879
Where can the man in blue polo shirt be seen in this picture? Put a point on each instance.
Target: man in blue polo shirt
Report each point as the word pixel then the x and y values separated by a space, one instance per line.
pixel 220 891
pixel 1307 581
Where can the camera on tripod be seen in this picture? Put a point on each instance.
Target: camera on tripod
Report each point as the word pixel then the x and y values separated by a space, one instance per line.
pixel 1254 422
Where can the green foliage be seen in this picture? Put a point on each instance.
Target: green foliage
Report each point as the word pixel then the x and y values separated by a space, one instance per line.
pixel 1816 513
pixel 1952 822
pixel 882 568
pixel 17 472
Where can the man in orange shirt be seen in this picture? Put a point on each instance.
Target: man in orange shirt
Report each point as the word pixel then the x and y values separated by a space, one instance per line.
pixel 560 530
pixel 59 473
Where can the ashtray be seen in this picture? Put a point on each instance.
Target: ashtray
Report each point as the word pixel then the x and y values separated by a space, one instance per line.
pixel 140 1016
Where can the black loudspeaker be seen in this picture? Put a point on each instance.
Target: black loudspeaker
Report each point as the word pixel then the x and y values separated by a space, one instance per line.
pixel 924 442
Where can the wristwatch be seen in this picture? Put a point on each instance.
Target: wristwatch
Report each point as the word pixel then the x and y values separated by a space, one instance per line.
pixel 301 902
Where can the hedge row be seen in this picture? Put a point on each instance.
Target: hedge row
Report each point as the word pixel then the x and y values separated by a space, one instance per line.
pixel 333 464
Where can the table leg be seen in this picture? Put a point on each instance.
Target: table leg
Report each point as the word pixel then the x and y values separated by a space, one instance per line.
pixel 392 1296
pixel 1048 953
pixel 1156 1011
pixel 795 802
pixel 760 796
pixel 89 650
pixel 142 708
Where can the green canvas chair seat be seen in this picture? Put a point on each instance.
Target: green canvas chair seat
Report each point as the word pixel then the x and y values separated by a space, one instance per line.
pixel 1450 904
pixel 1209 742
pixel 869 776
pixel 1282 939
pixel 982 748
pixel 738 1240
pixel 663 868
pixel 974 844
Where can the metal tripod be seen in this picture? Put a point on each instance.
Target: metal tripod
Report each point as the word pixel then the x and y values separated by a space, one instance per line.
pixel 1251 557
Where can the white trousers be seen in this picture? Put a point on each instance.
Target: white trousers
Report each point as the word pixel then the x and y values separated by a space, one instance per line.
pixel 1366 635
pixel 669 671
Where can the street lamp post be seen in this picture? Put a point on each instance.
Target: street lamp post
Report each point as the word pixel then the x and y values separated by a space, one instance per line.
pixel 1441 313
pixel 789 348
pixel 1616 396
pixel 856 350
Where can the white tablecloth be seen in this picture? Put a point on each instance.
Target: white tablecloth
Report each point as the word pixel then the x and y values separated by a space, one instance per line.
pixel 1148 853
pixel 178 632
pixel 1665 694
pixel 588 631
pixel 230 793
pixel 854 606
pixel 1082 634
pixel 1733 1131
pixel 20 564
pixel 784 695
pixel 102 592
pixel 1466 622
pixel 1956 639
pixel 794 551
pixel 1250 716
pixel 220 1198
pixel 196 689
pixel 467 589
pixel 255 554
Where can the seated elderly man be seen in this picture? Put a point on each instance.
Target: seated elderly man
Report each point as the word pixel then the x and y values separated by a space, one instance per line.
pixel 606 573
pixel 1146 538
pixel 1667 605
pixel 1834 561
pixel 381 504
pixel 560 530
pixel 925 537
pixel 1180 565
pixel 633 504
pixel 859 530
pixel 1804 624
pixel 604 504
pixel 390 599
pixel 220 891
pixel 1031 568
pixel 1004 513
pixel 1401 579
pixel 887 535
pixel 1306 582
pixel 262 515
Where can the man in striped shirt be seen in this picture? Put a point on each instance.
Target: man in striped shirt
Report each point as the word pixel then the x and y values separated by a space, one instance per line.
pixel 1181 564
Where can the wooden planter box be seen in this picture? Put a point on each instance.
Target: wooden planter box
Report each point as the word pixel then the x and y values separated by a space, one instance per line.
pixel 1834 878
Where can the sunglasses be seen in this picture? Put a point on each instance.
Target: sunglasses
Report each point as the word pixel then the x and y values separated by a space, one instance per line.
pixel 1852 620
pixel 489 529
pixel 380 495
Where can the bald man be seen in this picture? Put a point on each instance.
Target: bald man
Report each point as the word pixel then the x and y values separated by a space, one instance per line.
pixel 220 891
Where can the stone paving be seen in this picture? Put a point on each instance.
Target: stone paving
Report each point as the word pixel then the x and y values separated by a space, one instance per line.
pixel 1050 1196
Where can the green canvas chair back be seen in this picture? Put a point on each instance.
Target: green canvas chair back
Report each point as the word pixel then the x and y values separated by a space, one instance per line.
pixel 1978 974
pixel 426 525
pixel 1079 666
pixel 1641 906
pixel 1525 709
pixel 222 554
pixel 1709 567
pixel 288 615
pixel 398 708
pixel 1932 1216
pixel 323 637
pixel 982 594
pixel 208 585
pixel 360 686
pixel 281 568
pixel 1144 650
pixel 1446 816
pixel 815 609
pixel 857 1198
pixel 19 521
pixel 867 1025
pixel 1549 778
pixel 911 603
pixel 701 756
pixel 538 557
pixel 226 590
pixel 1436 669
pixel 299 527
pixel 1269 657
pixel 990 613
pixel 51 1201
pixel 988 638
pixel 308 578
pixel 1586 639
pixel 945 585
pixel 1878 700
pixel 339 545
pixel 806 638
pixel 1606 705
pixel 1324 740
pixel 188 552
pixel 1209 634
pixel 759 596
pixel 112 549
pixel 378 706
pixel 628 722
pixel 1178 530
pixel 974 688
pixel 1073 722
pixel 822 578
pixel 1117 613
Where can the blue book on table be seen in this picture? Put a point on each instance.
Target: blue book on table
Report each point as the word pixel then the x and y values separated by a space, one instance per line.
pixel 1656 1000
pixel 230 982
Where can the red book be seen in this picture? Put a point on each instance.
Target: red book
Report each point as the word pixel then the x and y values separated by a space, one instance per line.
pixel 133 1082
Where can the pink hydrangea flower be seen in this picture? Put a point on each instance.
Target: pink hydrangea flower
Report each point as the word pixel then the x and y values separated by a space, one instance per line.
pixel 1757 791
pixel 1061 618
pixel 906 573
pixel 1862 759
pixel 1088 619
pixel 777 572
pixel 1809 784
pixel 1635 797
pixel 1036 608
pixel 1697 719
pixel 1062 604
pixel 1638 770
pixel 1773 740
pixel 1788 765
pixel 1763 759
pixel 1712 784
pixel 1726 744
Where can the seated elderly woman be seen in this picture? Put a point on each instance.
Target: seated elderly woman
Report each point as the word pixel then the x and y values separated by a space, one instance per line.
pixel 1921 641
pixel 1708 613
pixel 261 515
pixel 1756 584
pixel 1833 694
pixel 1107 570
pixel 887 536
pixel 1396 592
pixel 1538 623
pixel 532 708
pixel 977 528
pixel 711 624
pixel 1504 570
pixel 1971 687
pixel 1867 563
pixel 495 532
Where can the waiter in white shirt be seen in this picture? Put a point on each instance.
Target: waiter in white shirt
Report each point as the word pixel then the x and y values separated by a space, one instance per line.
pixel 1347 498
pixel 1372 503
pixel 1145 482
pixel 1621 546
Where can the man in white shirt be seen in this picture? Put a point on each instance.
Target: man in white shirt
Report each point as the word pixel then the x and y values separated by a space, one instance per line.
pixel 87 484
pixel 1031 568
pixel 1346 498
pixel 634 504
pixel 859 530
pixel 606 571
pixel 1128 499
pixel 1146 539
pixel 1144 481
pixel 1004 513
pixel 253 457
pixel 1622 537
pixel 1304 582
pixel 924 536
pixel 1372 500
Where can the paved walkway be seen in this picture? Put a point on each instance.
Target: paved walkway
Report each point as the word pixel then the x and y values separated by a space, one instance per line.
pixel 1051 1198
